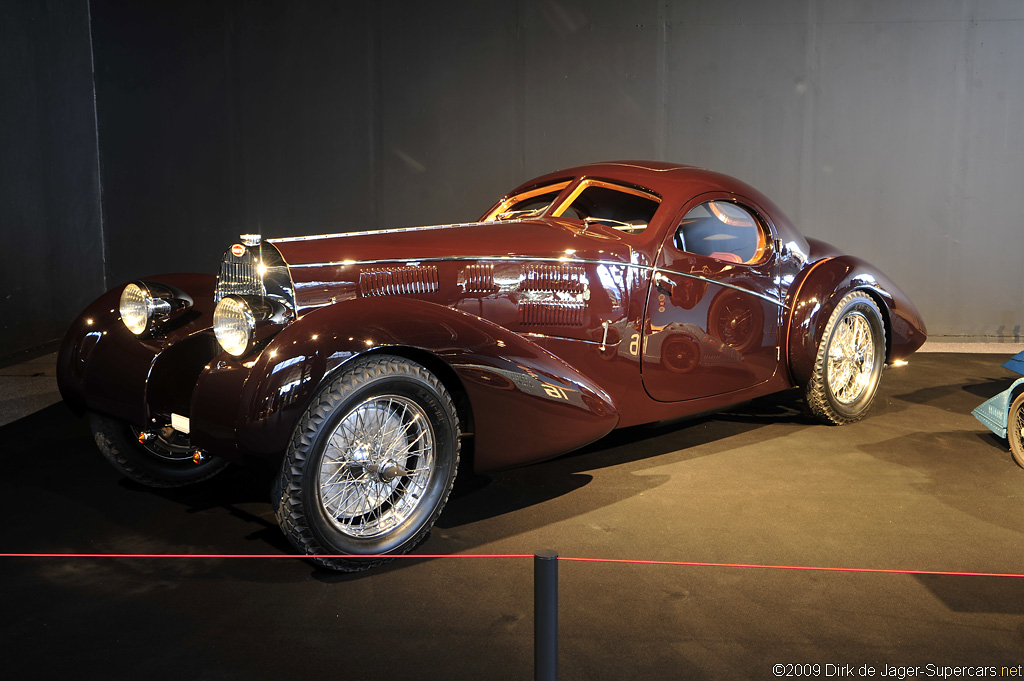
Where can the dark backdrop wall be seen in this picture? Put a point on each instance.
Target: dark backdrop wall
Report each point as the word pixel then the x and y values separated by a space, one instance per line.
pixel 51 235
pixel 891 129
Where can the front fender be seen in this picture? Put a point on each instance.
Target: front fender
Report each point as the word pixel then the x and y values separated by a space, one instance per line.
pixel 814 297
pixel 527 404
pixel 102 366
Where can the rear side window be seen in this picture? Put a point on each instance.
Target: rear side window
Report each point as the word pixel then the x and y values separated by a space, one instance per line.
pixel 722 230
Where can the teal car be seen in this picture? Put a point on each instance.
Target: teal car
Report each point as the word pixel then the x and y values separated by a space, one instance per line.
pixel 1004 413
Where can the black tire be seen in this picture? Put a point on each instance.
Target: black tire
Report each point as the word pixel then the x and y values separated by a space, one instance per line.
pixel 849 363
pixel 158 463
pixel 370 465
pixel 1015 429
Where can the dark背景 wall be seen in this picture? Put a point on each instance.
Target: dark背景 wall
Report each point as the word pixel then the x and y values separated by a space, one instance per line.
pixel 53 259
pixel 887 129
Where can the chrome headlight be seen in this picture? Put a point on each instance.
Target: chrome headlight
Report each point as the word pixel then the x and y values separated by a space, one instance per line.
pixel 234 325
pixel 241 321
pixel 136 308
pixel 144 304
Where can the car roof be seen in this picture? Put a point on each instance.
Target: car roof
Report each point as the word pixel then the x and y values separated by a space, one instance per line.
pixel 667 179
pixel 674 182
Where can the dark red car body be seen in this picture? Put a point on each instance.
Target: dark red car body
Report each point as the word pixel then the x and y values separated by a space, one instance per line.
pixel 549 331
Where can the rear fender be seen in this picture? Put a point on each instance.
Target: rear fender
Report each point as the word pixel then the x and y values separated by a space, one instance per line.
pixel 814 298
pixel 527 404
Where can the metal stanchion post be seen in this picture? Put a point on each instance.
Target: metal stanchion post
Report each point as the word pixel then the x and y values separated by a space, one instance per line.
pixel 545 615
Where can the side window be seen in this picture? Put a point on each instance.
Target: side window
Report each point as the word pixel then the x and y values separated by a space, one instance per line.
pixel 722 230
pixel 624 208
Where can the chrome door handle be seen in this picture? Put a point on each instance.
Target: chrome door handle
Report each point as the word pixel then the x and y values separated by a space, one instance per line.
pixel 660 282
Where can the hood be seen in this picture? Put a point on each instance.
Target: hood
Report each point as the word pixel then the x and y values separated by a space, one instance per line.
pixel 446 263
pixel 546 238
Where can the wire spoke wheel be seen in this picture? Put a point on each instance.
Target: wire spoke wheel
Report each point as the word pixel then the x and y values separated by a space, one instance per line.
pixel 849 362
pixel 1015 429
pixel 851 358
pixel 370 465
pixel 376 466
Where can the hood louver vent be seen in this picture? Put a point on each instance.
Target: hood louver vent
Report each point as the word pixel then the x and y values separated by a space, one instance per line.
pixel 554 278
pixel 553 295
pixel 398 281
pixel 479 278
pixel 551 313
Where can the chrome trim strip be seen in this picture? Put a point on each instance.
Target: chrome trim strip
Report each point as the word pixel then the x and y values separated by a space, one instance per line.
pixel 572 261
pixel 397 230
pixel 473 258
pixel 723 284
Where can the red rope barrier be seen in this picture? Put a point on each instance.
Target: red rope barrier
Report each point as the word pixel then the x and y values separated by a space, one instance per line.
pixel 260 555
pixel 946 573
pixel 791 567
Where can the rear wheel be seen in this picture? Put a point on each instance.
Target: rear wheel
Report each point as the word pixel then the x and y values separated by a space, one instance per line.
pixel 849 363
pixel 1015 429
pixel 371 464
pixel 165 459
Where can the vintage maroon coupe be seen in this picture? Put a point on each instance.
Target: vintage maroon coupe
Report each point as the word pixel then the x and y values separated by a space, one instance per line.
pixel 589 299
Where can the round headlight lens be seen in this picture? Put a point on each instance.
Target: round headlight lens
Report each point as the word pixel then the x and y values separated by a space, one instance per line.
pixel 136 308
pixel 233 324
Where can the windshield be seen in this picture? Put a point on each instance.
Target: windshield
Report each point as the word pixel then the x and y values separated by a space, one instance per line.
pixel 527 204
pixel 625 208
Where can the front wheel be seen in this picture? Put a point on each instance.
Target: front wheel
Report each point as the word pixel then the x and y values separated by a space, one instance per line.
pixel 371 464
pixel 1015 429
pixel 164 459
pixel 849 363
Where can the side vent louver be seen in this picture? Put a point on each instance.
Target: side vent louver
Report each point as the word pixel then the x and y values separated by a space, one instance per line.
pixel 551 313
pixel 554 278
pixel 479 278
pixel 397 281
pixel 553 295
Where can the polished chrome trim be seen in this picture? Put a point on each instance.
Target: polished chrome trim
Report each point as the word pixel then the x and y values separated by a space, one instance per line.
pixel 163 303
pixel 397 230
pixel 604 338
pixel 470 258
pixel 688 275
pixel 563 277
pixel 478 278
pixel 567 261
pixel 260 271
pixel 239 274
pixel 552 313
pixel 398 281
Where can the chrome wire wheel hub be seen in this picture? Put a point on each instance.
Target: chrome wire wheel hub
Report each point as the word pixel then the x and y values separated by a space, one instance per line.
pixel 851 358
pixel 376 466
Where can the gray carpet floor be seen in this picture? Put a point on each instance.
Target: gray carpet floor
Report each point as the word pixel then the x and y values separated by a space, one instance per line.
pixel 919 485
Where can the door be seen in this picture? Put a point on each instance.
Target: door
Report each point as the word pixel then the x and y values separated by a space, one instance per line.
pixel 714 307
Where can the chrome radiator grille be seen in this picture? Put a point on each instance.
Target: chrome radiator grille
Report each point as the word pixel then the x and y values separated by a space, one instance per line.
pixel 239 275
